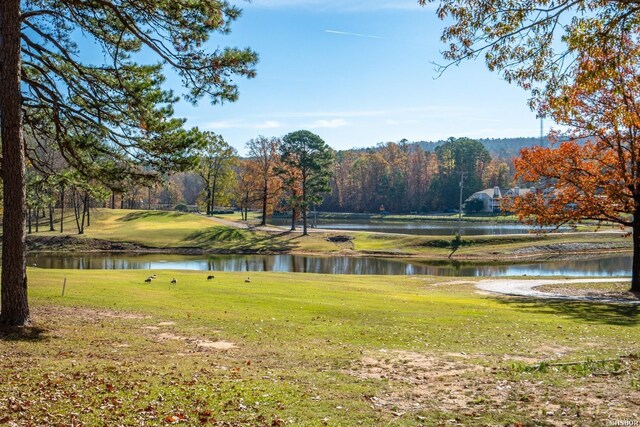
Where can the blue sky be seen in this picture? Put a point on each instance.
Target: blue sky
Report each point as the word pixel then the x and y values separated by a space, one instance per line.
pixel 357 73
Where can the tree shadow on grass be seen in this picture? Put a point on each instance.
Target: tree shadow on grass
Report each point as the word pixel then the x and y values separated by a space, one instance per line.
pixel 588 312
pixel 235 240
pixel 148 214
pixel 22 333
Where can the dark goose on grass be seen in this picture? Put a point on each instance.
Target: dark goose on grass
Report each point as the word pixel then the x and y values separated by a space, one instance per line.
pixel 602 266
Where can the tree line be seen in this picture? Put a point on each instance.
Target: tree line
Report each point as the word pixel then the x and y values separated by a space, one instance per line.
pixel 400 177
pixel 291 174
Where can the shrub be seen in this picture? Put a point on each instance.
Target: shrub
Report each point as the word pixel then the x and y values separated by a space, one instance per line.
pixel 473 206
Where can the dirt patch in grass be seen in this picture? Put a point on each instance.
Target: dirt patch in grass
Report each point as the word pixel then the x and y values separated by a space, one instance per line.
pixel 592 290
pixel 199 344
pixel 459 384
pixel 87 314
pixel 215 345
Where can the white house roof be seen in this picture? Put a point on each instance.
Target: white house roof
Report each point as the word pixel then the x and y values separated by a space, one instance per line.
pixel 488 192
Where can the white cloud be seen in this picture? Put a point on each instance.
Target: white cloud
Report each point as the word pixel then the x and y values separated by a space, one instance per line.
pixel 222 124
pixel 269 124
pixel 239 124
pixel 311 114
pixel 394 122
pixel 345 33
pixel 333 123
pixel 420 111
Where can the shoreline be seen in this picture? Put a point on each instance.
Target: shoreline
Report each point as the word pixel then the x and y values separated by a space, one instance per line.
pixel 542 253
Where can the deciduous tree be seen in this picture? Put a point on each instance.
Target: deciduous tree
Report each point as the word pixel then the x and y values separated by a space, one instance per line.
pixel 248 189
pixel 532 43
pixel 215 166
pixel 596 173
pixel 265 153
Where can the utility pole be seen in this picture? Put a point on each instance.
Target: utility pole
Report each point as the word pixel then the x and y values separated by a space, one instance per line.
pixel 462 175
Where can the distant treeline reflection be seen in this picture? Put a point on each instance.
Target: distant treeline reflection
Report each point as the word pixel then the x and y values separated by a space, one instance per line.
pixel 603 266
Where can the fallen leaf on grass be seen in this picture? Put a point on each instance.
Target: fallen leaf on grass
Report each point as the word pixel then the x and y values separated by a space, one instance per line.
pixel 175 418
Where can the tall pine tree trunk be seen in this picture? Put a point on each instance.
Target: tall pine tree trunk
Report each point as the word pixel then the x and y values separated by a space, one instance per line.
pixel 14 306
pixel 87 205
pixel 293 219
pixel 85 209
pixel 51 228
pixel 62 209
pixel 76 211
pixel 265 194
pixel 213 194
pixel 304 205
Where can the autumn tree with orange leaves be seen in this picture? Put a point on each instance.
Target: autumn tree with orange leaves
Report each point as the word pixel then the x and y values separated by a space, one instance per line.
pixel 264 152
pixel 595 173
pixel 247 188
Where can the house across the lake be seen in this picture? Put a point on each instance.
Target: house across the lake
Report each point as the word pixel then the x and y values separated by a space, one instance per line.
pixel 491 197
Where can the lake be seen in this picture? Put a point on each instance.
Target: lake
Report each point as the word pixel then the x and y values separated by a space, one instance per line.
pixel 601 266
pixel 431 228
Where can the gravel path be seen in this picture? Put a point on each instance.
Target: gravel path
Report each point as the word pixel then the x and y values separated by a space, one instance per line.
pixel 525 288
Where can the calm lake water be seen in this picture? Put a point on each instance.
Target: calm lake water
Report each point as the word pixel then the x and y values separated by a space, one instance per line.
pixel 603 266
pixel 431 228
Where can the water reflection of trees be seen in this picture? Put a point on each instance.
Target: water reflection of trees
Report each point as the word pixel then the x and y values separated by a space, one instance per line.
pixel 617 265
pixel 431 228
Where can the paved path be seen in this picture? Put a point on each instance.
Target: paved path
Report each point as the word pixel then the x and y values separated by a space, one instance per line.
pixel 525 288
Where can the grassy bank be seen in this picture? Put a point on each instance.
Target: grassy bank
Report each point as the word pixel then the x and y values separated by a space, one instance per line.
pixel 311 350
pixel 158 229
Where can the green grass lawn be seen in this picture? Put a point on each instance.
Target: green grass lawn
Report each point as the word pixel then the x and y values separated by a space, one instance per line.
pixel 311 350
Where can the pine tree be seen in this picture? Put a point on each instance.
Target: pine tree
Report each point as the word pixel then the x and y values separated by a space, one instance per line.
pixel 308 154
pixel 107 120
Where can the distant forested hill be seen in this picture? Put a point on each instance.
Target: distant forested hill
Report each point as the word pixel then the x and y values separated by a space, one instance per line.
pixel 505 148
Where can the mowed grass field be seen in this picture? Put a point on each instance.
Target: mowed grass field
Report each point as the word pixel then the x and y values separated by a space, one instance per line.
pixel 311 350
